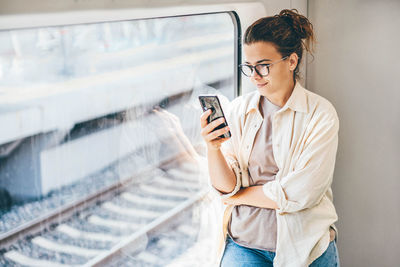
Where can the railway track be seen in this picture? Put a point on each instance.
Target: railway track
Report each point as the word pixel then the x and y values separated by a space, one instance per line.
pixel 123 217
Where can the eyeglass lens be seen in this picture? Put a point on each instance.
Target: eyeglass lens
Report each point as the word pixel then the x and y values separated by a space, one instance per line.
pixel 261 70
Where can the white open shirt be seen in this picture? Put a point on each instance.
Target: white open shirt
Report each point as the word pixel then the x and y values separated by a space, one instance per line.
pixel 305 139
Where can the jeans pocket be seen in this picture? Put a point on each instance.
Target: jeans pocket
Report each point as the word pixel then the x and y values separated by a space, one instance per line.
pixel 328 258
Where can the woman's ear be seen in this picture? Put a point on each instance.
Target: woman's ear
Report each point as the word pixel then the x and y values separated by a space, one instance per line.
pixel 293 60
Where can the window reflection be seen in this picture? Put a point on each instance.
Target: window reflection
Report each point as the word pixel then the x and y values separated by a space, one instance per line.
pixel 86 106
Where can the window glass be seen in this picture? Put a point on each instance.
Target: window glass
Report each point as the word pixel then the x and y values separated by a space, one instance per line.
pixel 110 107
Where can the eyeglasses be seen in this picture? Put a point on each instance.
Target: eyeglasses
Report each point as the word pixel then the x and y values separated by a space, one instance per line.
pixel 261 69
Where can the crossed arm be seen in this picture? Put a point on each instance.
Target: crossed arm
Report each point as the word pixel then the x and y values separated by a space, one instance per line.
pixel 251 196
pixel 224 180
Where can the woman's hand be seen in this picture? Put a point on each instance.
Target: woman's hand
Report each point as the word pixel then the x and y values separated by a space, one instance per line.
pixel 251 196
pixel 233 200
pixel 211 138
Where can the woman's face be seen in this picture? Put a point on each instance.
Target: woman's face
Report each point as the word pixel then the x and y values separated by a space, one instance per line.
pixel 280 74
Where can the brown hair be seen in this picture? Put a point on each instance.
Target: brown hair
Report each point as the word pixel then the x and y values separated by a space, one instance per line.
pixel 289 31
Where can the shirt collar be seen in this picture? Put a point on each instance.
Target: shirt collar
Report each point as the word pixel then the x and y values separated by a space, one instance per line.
pixel 297 100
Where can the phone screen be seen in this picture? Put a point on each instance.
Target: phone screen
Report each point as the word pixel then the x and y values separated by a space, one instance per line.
pixel 212 102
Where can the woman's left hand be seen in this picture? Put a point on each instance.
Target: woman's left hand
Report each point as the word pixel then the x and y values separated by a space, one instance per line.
pixel 235 199
pixel 251 196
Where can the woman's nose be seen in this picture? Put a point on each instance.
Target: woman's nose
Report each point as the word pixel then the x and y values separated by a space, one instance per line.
pixel 255 75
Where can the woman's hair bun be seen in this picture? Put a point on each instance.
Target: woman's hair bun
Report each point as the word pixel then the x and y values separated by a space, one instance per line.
pixel 300 24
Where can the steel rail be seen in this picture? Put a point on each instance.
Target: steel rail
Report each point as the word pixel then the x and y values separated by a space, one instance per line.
pixel 135 238
pixel 68 210
pixel 61 213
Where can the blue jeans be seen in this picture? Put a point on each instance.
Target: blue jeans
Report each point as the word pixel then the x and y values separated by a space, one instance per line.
pixel 239 256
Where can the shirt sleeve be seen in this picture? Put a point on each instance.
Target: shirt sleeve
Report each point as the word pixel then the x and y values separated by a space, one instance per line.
pixel 312 175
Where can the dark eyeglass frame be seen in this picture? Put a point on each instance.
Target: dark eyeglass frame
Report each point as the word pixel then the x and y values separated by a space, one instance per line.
pixel 254 68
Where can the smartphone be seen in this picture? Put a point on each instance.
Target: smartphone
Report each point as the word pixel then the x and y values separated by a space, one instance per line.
pixel 212 102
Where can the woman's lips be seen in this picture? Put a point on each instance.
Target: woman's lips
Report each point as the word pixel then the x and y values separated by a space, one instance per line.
pixel 262 85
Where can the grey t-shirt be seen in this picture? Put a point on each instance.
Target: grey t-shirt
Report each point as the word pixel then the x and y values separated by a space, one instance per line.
pixel 252 226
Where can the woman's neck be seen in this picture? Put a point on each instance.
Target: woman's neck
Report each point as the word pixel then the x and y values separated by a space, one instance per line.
pixel 281 96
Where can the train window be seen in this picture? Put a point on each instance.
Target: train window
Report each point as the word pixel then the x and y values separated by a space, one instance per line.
pixel 100 141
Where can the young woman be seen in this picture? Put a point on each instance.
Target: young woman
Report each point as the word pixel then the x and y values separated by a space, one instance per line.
pixel 275 172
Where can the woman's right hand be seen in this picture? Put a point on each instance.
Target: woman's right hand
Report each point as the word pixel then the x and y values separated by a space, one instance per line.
pixel 211 138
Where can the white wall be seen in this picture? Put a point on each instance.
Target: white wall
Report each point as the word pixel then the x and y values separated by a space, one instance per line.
pixel 357 67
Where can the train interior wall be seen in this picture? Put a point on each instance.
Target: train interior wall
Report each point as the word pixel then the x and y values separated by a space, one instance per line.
pixel 356 67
